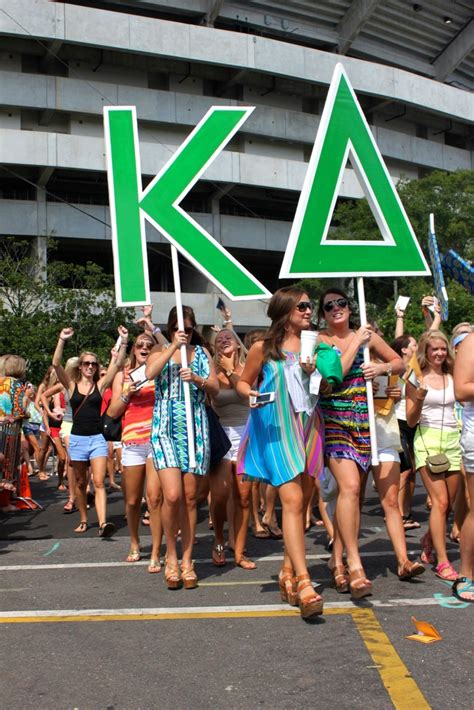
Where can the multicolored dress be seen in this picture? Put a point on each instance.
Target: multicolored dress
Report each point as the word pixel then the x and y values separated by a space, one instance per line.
pixel 169 436
pixel 279 443
pixel 346 418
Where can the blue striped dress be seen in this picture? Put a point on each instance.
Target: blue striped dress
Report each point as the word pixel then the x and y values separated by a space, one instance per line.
pixel 278 443
pixel 169 435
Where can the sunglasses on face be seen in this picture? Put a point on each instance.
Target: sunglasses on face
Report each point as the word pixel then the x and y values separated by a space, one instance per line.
pixel 303 306
pixel 329 305
pixel 144 344
pixel 188 329
pixel 88 363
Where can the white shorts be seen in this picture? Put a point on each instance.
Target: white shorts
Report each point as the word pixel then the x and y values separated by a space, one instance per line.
pixel 467 448
pixel 389 455
pixel 136 454
pixel 235 435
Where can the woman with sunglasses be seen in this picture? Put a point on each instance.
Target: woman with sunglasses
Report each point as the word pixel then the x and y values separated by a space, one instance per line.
pixel 86 443
pixel 430 407
pixel 282 442
pixel 169 439
pixel 134 400
pixel 347 436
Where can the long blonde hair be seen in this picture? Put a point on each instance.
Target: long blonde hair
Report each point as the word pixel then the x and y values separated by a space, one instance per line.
pixel 240 353
pixel 425 340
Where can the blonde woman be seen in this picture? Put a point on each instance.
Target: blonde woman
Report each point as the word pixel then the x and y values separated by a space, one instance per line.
pixel 87 444
pixel 430 404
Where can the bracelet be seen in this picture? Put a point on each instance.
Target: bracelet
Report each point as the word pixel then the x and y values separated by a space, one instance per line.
pixel 125 400
pixel 63 339
pixel 227 321
pixel 401 317
pixel 156 329
pixel 203 383
pixel 389 371
pixel 229 373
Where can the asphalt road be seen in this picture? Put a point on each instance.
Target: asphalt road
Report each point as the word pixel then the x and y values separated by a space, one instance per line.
pixel 81 628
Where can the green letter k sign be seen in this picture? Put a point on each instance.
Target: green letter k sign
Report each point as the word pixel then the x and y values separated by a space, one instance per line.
pixel 160 205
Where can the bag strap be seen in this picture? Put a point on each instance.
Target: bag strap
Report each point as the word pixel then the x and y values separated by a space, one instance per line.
pixel 84 400
pixel 442 423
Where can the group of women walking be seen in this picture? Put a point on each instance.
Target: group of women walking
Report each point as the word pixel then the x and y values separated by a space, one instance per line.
pixel 280 421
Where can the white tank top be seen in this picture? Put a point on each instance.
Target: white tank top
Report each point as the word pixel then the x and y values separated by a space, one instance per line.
pixel 468 417
pixel 432 411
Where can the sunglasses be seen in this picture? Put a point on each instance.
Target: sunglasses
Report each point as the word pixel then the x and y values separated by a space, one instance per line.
pixel 88 363
pixel 304 306
pixel 144 344
pixel 329 305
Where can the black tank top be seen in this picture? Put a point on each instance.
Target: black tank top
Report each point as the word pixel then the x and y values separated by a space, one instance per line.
pixel 87 421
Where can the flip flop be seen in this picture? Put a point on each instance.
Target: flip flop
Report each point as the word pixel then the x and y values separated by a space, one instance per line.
pixel 106 529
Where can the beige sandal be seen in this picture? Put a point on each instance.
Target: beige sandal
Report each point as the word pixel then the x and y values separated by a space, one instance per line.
pixel 154 567
pixel 286 583
pixel 312 605
pixel 359 585
pixel 173 577
pixel 190 579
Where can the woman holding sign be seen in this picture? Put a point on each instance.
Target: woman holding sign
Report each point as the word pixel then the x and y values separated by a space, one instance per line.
pixel 283 443
pixel 169 440
pixel 347 436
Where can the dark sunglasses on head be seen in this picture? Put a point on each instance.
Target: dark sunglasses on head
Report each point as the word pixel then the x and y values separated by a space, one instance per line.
pixel 341 302
pixel 303 306
pixel 144 344
pixel 88 363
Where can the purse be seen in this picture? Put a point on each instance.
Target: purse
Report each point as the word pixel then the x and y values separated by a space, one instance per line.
pixel 219 441
pixel 111 428
pixel 437 463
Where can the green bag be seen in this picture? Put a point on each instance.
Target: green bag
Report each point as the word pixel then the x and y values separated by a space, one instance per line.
pixel 329 364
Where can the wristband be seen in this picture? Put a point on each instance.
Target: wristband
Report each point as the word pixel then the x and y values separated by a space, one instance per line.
pixel 227 321
pixel 125 400
pixel 156 329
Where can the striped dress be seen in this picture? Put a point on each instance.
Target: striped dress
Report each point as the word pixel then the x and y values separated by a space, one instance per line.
pixel 346 418
pixel 278 443
pixel 169 436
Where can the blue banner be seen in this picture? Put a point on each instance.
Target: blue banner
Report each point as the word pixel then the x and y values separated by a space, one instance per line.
pixel 459 269
pixel 438 278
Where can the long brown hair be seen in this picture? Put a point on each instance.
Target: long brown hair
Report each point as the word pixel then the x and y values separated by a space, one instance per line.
pixel 132 363
pixel 426 338
pixel 281 304
pixel 96 375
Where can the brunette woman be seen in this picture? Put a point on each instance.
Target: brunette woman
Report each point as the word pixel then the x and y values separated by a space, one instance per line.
pixel 50 378
pixel 347 436
pixel 430 404
pixel 86 443
pixel 282 444
pixel 169 439
pixel 133 399
pixel 233 414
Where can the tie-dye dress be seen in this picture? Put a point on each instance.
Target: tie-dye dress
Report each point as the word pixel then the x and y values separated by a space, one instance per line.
pixel 346 418
pixel 278 443
pixel 169 435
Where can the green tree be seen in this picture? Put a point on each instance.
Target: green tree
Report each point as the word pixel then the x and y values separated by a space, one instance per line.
pixel 34 306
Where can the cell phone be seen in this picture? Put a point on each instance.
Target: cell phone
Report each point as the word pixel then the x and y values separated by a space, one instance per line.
pixel 220 305
pixel 402 303
pixel 263 398
pixel 116 347
pixel 138 376
pixel 383 382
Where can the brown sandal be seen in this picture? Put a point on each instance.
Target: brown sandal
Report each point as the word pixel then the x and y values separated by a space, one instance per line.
pixel 190 579
pixel 218 555
pixel 286 583
pixel 340 579
pixel 359 585
pixel 409 570
pixel 312 605
pixel 173 577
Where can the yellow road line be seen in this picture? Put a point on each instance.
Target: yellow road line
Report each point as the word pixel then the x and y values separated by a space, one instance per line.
pixel 402 689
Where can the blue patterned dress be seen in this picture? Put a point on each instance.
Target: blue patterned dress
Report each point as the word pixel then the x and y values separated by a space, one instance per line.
pixel 169 436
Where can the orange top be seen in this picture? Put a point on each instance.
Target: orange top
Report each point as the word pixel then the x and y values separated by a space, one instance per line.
pixel 136 421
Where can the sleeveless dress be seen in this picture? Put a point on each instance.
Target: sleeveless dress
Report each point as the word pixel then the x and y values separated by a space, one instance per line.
pixel 279 443
pixel 346 418
pixel 169 437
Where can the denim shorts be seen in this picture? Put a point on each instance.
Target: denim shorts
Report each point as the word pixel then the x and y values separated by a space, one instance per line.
pixel 86 448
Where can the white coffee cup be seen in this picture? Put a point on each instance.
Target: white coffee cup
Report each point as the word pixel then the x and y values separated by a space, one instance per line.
pixel 308 343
